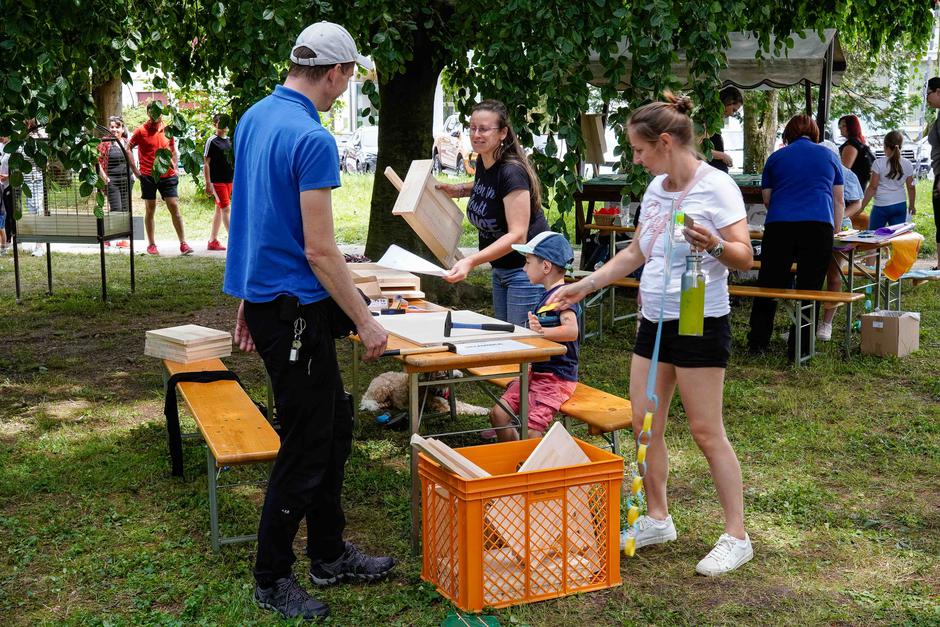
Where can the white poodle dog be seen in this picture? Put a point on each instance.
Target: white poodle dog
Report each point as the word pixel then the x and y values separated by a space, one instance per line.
pixel 389 391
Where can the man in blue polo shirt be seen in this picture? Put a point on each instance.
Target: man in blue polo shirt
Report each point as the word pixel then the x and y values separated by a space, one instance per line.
pixel 297 296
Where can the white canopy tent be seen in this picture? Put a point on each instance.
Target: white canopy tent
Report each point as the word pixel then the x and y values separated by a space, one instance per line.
pixel 813 60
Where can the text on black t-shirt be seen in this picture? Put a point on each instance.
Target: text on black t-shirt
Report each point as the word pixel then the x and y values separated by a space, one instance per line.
pixel 487 212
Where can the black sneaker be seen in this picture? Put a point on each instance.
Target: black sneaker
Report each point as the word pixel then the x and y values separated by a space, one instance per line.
pixel 353 565
pixel 290 600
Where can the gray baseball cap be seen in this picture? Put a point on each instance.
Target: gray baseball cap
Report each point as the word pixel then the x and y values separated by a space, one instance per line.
pixel 331 44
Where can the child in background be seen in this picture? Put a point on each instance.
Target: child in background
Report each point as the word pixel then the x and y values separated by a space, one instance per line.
pixel 890 175
pixel 551 382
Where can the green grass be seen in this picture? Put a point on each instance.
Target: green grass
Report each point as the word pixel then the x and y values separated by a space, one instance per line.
pixel 841 464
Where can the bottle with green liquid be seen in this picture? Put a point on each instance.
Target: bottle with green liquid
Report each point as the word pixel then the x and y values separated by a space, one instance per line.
pixel 692 298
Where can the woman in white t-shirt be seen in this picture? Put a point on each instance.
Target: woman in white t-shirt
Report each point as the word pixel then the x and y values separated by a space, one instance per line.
pixel 890 175
pixel 661 137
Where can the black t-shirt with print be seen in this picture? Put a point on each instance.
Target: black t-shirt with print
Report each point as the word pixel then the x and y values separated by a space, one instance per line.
pixel 487 213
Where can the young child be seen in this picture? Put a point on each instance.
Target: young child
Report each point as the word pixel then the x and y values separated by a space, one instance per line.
pixel 890 175
pixel 551 382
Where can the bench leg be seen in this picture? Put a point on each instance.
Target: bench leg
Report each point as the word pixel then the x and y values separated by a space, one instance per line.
pixel 213 500
pixel 524 402
pixel 615 442
pixel 415 416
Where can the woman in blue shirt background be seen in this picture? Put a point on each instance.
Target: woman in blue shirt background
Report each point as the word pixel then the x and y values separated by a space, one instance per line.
pixel 802 189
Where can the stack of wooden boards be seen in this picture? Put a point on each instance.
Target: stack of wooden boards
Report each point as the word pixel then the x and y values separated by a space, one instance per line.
pixel 376 281
pixel 187 343
pixel 543 533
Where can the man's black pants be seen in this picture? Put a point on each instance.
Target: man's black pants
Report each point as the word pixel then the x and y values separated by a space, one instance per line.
pixel 809 244
pixel 315 415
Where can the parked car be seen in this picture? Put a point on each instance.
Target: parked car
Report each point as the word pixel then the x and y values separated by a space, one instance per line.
pixel 917 152
pixel 361 151
pixel 341 140
pixel 452 148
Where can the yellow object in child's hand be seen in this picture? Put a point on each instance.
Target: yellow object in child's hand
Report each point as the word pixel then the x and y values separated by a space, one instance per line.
pixel 549 307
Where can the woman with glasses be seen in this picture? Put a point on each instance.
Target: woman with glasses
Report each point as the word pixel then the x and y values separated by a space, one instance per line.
pixel 113 165
pixel 505 207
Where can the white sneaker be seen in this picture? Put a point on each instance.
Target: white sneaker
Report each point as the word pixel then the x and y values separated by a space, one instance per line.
pixel 649 531
pixel 728 554
pixel 824 332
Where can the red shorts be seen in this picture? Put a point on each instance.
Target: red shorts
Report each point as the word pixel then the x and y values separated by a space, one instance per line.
pixel 223 194
pixel 547 393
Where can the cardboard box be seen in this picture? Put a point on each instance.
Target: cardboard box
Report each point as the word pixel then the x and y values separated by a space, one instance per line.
pixel 890 333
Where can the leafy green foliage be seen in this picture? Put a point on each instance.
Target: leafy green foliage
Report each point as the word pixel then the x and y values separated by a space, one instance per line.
pixel 533 55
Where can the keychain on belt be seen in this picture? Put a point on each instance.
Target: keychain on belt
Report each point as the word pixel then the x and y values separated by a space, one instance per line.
pixel 299 325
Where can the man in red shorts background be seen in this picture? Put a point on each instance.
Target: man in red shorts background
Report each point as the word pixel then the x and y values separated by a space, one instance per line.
pixel 218 170
pixel 148 139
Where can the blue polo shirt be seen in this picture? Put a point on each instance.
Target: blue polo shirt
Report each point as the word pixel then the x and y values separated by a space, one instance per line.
pixel 801 176
pixel 281 150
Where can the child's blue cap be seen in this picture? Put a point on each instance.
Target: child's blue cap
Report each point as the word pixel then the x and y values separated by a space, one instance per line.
pixel 548 245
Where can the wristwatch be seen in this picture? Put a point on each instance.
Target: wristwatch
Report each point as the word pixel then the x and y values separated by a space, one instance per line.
pixel 717 250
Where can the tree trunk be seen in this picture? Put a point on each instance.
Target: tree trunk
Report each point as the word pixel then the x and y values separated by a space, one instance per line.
pixel 405 134
pixel 107 96
pixel 760 128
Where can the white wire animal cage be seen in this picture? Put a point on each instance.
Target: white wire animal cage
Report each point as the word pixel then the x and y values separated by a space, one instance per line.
pixel 54 210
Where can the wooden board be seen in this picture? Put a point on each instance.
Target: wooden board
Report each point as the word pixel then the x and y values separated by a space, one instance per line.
pixel 448 458
pixel 556 449
pixel 187 343
pixel 387 278
pixel 592 130
pixel 369 285
pixel 189 335
pixel 184 356
pixel 431 213
pixel 427 329
pixel 229 420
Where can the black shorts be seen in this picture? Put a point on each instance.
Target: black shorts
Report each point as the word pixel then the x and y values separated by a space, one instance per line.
pixel 167 186
pixel 709 351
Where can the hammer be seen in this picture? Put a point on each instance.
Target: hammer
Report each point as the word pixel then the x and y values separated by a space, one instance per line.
pixel 450 325
pixel 418 350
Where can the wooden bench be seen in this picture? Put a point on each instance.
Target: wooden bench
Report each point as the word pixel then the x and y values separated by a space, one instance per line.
pixel 234 430
pixel 605 414
pixel 801 306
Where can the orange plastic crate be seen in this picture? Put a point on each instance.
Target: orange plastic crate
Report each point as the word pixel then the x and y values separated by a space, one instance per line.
pixel 520 537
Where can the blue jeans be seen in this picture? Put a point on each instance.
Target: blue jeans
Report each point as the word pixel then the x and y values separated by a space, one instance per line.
pixel 513 295
pixel 888 215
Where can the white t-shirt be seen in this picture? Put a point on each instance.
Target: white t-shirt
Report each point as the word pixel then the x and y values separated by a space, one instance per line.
pixel 891 191
pixel 715 202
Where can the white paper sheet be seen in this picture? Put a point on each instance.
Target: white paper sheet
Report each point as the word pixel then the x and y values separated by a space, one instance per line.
pixel 486 348
pixel 398 258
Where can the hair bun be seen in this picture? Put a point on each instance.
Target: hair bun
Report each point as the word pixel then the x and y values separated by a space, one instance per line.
pixel 682 104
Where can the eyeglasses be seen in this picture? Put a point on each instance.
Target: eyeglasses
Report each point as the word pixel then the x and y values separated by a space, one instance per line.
pixel 482 130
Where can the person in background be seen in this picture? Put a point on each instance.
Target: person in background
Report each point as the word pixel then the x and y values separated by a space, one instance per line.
pixel 933 138
pixel 855 153
pixel 4 184
pixel 506 208
pixel 852 195
pixel 297 295
pixel 148 139
pixel 662 140
pixel 218 171
pixel 732 100
pixel 890 175
pixel 802 189
pixel 114 162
